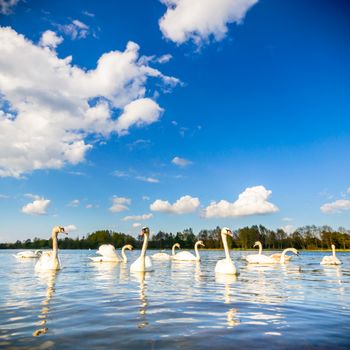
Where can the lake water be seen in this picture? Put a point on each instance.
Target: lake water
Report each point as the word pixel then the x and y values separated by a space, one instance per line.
pixel 178 306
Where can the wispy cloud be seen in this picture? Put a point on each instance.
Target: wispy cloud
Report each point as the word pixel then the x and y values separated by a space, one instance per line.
pixel 74 203
pixel 119 204
pixel 182 162
pixel 6 6
pixel 147 179
pixel 138 217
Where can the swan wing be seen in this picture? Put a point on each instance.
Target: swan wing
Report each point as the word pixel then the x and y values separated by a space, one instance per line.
pixel 277 257
pixel 260 259
pixel 48 261
pixel 108 251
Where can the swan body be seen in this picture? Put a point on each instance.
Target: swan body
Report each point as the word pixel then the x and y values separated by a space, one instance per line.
pixel 108 254
pixel 331 259
pixel 165 256
pixel 263 259
pixel 226 266
pixel 28 254
pixel 143 263
pixel 187 256
pixel 50 260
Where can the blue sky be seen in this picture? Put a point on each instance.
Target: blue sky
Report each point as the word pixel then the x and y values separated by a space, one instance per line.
pixel 234 119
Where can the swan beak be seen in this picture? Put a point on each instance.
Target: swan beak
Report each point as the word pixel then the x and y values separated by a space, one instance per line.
pixel 230 233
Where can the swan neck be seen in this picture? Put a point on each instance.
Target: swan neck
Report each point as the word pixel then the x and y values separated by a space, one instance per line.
pixel 196 250
pixel 283 255
pixel 125 259
pixel 173 250
pixel 54 242
pixel 224 242
pixel 333 251
pixel 260 248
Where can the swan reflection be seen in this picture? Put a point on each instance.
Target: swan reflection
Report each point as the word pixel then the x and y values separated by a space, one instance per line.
pixel 227 281
pixel 48 277
pixel 142 320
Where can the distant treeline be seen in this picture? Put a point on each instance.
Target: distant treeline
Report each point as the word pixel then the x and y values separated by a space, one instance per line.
pixel 307 237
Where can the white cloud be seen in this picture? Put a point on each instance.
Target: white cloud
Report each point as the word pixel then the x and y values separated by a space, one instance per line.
pixel 89 14
pixel 288 229
pixel 50 39
pixel 138 217
pixel 147 179
pixel 146 198
pixel 89 206
pixel 70 228
pixel 336 207
pixel 181 161
pixel 74 203
pixel 119 204
pixel 136 224
pixel 252 201
pixel 38 207
pixel 7 5
pixel 287 219
pixel 76 29
pixel 140 112
pixel 49 107
pixel 165 58
pixel 183 205
pixel 198 20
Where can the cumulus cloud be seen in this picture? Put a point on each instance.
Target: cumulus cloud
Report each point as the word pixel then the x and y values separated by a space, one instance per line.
pixel 138 217
pixel 183 205
pixel 6 6
pixel 139 113
pixel 70 228
pixel 198 20
pixel 181 161
pixel 252 201
pixel 49 107
pixel 119 204
pixel 336 207
pixel 50 39
pixel 39 206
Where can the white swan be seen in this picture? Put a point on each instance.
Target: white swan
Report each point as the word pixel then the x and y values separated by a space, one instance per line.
pixel 165 256
pixel 261 258
pixel 28 254
pixel 143 263
pixel 267 260
pixel 331 259
pixel 226 266
pixel 129 247
pixel 108 254
pixel 50 260
pixel 187 256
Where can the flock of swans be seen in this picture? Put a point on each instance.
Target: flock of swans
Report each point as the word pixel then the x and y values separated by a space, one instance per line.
pixel 49 260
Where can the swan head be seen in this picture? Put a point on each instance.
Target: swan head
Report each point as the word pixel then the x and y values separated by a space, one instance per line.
pixel 144 231
pixel 201 243
pixel 177 245
pixel 257 243
pixel 293 250
pixel 128 246
pixel 333 246
pixel 226 231
pixel 59 229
